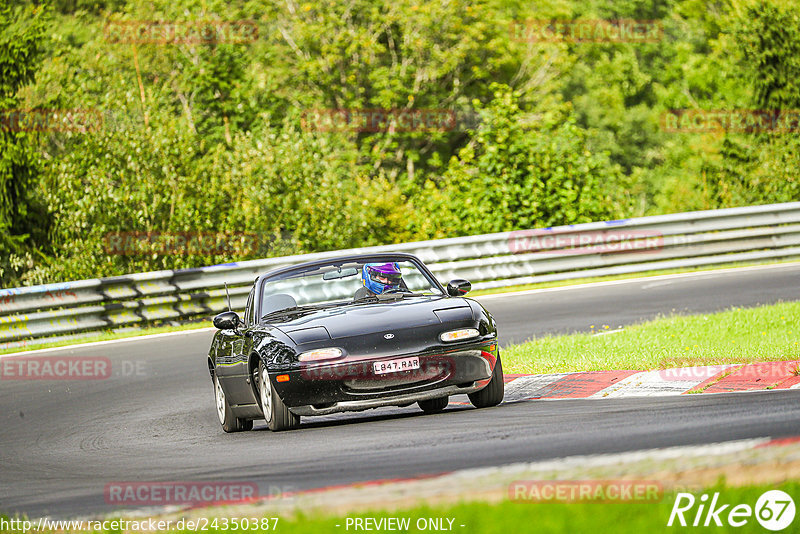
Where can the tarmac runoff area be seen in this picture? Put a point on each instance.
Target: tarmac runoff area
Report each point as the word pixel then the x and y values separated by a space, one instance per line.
pixel 646 476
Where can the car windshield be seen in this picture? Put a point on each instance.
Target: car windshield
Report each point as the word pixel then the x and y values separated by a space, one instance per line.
pixel 343 283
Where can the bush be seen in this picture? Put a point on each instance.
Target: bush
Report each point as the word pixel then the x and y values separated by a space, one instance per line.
pixel 514 175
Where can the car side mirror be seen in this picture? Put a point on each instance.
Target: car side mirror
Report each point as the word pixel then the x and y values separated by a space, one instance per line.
pixel 228 320
pixel 458 287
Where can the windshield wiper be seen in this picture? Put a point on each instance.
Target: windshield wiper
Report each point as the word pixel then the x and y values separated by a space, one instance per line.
pixel 405 293
pixel 388 296
pixel 293 309
pixel 367 298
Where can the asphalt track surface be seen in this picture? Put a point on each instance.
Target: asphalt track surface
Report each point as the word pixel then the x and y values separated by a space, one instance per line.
pixel 61 442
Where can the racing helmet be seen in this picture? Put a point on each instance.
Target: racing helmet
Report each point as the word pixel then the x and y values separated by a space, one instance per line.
pixel 378 277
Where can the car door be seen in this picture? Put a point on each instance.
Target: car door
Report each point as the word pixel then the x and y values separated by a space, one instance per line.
pixel 233 347
pixel 243 346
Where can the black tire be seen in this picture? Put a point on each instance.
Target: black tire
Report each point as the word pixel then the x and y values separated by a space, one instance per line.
pixel 276 414
pixel 229 422
pixel 492 394
pixel 434 405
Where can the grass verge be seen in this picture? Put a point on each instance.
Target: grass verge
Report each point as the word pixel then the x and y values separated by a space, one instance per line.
pixel 522 516
pixel 740 335
pixel 556 517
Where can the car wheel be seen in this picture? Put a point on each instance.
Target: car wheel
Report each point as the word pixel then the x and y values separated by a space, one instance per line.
pixel 492 394
pixel 434 405
pixel 229 422
pixel 276 414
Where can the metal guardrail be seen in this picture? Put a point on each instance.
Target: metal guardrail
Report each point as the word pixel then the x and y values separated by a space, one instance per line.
pixel 36 314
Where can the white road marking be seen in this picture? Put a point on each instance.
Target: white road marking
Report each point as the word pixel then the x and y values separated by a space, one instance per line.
pixel 606 332
pixel 523 387
pixel 661 382
pixel 110 342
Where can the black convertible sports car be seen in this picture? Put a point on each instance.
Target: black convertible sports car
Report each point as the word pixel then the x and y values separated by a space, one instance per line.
pixel 349 334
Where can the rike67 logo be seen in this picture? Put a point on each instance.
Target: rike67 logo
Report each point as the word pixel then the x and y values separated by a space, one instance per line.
pixel 774 510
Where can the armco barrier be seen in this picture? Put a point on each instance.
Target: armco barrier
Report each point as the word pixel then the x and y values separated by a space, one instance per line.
pixel 32 315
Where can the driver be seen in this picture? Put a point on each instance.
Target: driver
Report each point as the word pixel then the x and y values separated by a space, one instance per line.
pixel 379 277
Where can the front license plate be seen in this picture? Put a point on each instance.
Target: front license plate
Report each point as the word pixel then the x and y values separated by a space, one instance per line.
pixel 395 366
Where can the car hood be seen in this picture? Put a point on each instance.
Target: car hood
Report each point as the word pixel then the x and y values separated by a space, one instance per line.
pixel 361 319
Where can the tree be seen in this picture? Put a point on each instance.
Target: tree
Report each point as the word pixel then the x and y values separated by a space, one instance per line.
pixel 761 166
pixel 517 176
pixel 23 218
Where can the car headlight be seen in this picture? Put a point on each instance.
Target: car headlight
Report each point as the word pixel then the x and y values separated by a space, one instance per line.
pixel 459 335
pixel 320 354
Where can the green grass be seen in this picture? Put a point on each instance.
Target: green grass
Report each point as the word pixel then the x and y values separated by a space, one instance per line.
pixel 551 517
pixel 740 335
pixel 572 518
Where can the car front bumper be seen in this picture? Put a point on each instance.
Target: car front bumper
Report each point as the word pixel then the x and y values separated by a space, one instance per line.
pixel 354 385
pixel 393 400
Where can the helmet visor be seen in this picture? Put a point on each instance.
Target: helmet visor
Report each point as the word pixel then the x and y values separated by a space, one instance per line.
pixel 386 274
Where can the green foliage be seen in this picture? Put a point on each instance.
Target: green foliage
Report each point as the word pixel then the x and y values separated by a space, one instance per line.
pixel 763 166
pixel 769 38
pixel 267 186
pixel 23 218
pixel 517 176
pixel 395 55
